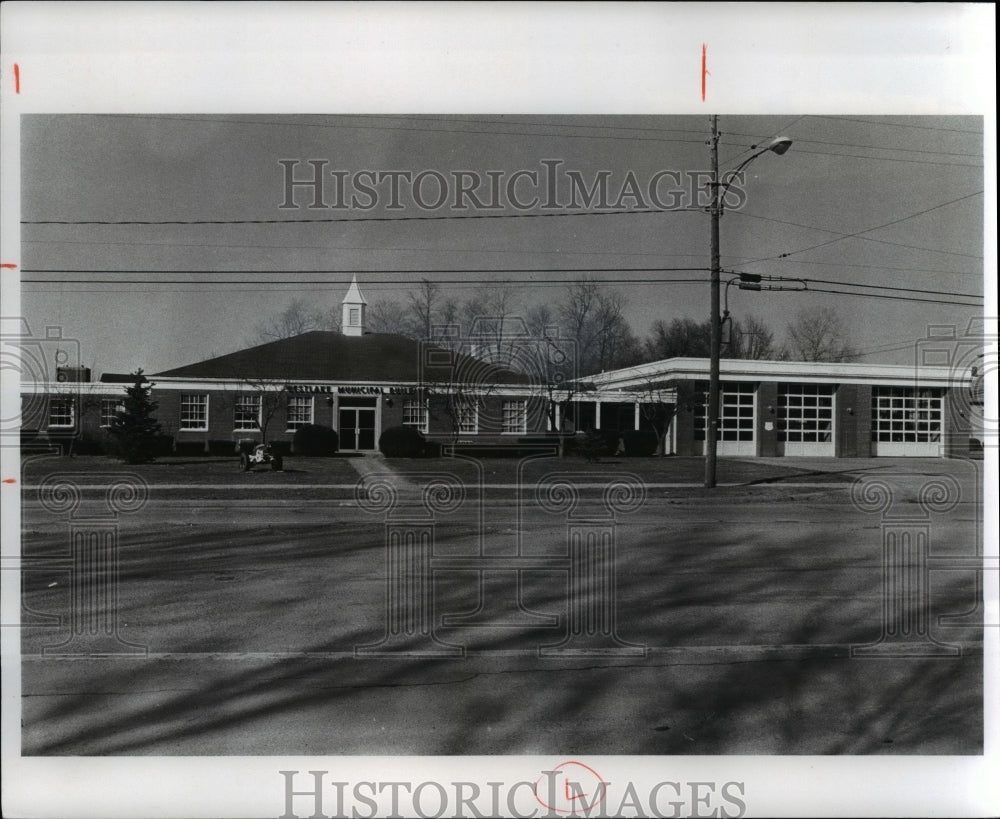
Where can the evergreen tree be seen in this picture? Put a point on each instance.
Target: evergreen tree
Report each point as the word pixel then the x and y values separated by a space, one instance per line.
pixel 134 427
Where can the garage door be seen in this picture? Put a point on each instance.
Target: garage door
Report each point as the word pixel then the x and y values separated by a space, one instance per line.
pixel 805 419
pixel 907 422
pixel 736 420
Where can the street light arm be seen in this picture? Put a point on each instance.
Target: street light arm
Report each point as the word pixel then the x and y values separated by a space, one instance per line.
pixel 778 145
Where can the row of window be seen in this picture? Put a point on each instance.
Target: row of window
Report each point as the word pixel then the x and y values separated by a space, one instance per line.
pixel 298 412
pixel 804 413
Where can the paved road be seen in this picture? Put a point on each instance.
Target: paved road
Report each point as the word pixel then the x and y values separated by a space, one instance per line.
pixel 734 617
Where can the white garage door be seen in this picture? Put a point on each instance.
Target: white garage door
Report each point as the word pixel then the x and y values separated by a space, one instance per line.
pixel 736 422
pixel 907 422
pixel 805 419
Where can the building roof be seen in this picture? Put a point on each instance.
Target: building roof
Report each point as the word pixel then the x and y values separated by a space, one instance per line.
pixel 354 293
pixel 322 355
pixel 733 369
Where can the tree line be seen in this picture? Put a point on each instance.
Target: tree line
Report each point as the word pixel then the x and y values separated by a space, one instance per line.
pixel 587 317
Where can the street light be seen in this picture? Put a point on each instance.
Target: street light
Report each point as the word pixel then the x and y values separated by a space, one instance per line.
pixel 778 145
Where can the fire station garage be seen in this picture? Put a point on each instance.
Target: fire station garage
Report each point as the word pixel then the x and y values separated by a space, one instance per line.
pixel 789 408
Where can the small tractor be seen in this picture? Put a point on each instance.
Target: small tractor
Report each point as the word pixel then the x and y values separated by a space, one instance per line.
pixel 259 455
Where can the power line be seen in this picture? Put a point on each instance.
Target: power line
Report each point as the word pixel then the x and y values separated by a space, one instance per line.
pixel 501 120
pixel 858 234
pixel 492 271
pixel 420 130
pixel 889 158
pixel 367 249
pixel 895 124
pixel 333 220
pixel 888 296
pixel 867 286
pixel 878 148
pixel 934 270
pixel 303 287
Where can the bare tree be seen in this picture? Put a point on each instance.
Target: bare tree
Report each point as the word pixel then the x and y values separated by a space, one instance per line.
pixel 681 337
pixel 819 334
pixel 259 400
pixel 297 318
pixel 593 316
pixel 576 315
pixel 540 319
pixel 657 407
pixel 389 316
pixel 423 303
pixel 751 339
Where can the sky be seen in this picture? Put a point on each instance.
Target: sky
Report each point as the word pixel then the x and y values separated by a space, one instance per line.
pixel 871 206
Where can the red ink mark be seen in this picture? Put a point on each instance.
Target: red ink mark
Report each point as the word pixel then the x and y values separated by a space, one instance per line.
pixel 574 788
pixel 704 69
pixel 8 266
pixel 17 78
pixel 10 480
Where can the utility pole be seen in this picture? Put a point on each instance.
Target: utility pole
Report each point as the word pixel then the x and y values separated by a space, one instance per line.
pixel 712 419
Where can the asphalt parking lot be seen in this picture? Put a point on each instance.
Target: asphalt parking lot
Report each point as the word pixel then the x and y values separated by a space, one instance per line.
pixel 263 613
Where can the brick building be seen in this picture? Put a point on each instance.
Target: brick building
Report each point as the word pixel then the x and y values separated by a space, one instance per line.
pixel 362 383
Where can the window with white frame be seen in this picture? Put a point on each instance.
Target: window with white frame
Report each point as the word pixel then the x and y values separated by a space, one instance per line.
pixel 246 412
pixel 805 413
pixel 194 411
pixel 906 415
pixel 110 407
pixel 467 416
pixel 62 412
pixel 300 411
pixel 515 417
pixel 415 414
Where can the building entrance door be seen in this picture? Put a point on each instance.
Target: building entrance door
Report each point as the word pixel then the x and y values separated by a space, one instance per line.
pixel 357 428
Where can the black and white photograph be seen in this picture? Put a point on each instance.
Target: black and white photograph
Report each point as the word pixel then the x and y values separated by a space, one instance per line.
pixel 375 451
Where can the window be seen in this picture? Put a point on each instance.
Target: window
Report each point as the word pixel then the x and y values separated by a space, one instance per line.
pixel 415 414
pixel 515 417
pixel 354 316
pixel 194 411
pixel 904 415
pixel 62 412
pixel 735 413
pixel 467 416
pixel 300 411
pixel 246 412
pixel 805 413
pixel 110 407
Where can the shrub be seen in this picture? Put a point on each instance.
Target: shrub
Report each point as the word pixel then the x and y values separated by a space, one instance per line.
pixel 163 445
pixel 640 443
pixel 189 448
pixel 221 447
pixel 88 443
pixel 402 442
pixel 315 440
pixel 596 444
pixel 282 448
